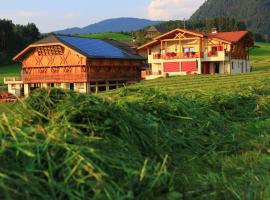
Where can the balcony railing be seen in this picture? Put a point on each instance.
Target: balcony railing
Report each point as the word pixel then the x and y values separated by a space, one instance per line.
pixel 12 79
pixel 212 53
pixel 173 55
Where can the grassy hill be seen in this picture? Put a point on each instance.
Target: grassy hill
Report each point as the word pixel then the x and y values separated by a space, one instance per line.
pixel 186 137
pixel 114 36
pixel 260 56
pixel 9 71
pixel 148 141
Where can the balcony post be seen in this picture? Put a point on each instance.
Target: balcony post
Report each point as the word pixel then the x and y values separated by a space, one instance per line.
pixel 26 90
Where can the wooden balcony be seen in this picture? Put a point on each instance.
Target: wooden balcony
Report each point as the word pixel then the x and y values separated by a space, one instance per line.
pixel 13 80
pixel 212 53
pixel 216 56
pixel 55 78
pixel 174 56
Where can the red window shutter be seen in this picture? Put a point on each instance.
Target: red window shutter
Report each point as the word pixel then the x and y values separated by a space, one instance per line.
pixel 171 67
pixel 189 66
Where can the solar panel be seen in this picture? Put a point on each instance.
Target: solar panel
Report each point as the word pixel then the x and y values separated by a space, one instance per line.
pixel 94 47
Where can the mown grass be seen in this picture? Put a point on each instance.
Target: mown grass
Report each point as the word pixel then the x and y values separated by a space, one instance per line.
pixel 192 137
pixel 114 36
pixel 138 143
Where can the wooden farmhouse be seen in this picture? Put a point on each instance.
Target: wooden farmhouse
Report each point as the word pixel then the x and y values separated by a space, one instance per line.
pixel 74 63
pixel 154 31
pixel 182 52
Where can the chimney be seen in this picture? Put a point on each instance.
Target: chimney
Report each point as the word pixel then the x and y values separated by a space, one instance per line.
pixel 214 30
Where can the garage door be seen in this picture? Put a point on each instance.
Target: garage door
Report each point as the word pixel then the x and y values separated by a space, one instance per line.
pixel 172 67
pixel 189 66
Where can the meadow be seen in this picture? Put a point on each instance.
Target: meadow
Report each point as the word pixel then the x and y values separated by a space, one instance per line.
pixel 114 36
pixel 9 71
pixel 191 137
pixel 260 56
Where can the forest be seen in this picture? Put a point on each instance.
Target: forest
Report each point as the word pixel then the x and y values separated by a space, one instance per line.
pixel 222 24
pixel 14 37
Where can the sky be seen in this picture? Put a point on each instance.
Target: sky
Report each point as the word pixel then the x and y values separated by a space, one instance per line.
pixel 52 15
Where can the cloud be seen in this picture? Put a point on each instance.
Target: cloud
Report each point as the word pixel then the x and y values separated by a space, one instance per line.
pixel 172 9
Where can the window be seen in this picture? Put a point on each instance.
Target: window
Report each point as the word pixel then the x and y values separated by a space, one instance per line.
pixel 80 85
pixel 188 49
pixel 214 49
pixel 58 85
pixel 93 89
pixel 232 65
pixel 185 49
pixel 150 51
pixel 13 86
pixel 102 88
pixel 112 87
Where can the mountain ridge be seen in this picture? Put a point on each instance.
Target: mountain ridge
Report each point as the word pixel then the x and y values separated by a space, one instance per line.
pixel 255 13
pixel 123 24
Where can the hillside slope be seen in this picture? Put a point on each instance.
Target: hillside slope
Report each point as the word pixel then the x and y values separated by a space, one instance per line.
pixel 255 13
pixel 140 142
pixel 112 25
pixel 186 137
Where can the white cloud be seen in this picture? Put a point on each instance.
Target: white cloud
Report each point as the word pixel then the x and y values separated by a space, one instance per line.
pixel 173 9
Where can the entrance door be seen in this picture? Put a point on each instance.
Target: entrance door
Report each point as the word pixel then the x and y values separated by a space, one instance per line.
pixel 217 70
pixel 206 68
pixel 71 86
pixel 22 90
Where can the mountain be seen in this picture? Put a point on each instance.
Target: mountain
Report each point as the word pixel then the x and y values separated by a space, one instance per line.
pixel 112 25
pixel 255 13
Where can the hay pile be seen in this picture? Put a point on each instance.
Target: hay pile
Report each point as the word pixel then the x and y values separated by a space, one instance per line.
pixel 137 144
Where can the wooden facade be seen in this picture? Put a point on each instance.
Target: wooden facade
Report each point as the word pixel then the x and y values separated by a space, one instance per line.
pixel 53 63
pixel 182 52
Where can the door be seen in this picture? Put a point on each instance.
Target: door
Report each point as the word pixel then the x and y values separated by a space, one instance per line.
pixel 217 70
pixel 71 87
pixel 206 68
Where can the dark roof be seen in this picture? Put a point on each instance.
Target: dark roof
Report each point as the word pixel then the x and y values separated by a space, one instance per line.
pixel 48 40
pixel 94 48
pixel 127 46
pixel 229 36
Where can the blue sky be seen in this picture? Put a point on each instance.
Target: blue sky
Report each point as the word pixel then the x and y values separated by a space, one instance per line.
pixel 50 15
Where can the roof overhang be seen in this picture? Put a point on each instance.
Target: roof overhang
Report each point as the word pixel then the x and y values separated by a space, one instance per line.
pixel 220 40
pixel 178 30
pixel 27 49
pixel 246 33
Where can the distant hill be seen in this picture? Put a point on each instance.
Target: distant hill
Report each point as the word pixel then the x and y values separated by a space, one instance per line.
pixel 114 36
pixel 112 25
pixel 255 13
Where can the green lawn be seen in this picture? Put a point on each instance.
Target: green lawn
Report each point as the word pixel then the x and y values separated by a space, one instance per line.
pixel 260 56
pixel 114 36
pixel 9 71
